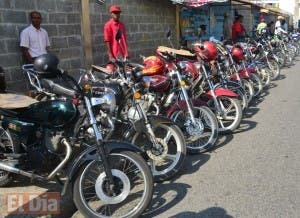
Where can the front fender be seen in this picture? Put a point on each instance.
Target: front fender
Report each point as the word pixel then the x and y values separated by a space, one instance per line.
pixel 247 71
pixel 89 154
pixel 221 92
pixel 181 105
pixel 155 120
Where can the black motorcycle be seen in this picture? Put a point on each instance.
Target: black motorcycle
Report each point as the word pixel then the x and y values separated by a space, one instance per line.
pixel 45 141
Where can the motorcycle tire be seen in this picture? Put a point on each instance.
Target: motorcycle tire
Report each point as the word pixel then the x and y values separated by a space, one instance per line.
pixel 275 69
pixel 6 146
pixel 256 83
pixel 96 200
pixel 166 163
pixel 227 123
pixel 201 137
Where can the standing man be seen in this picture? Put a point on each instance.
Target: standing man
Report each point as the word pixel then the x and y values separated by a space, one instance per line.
pixel 238 30
pixel 262 25
pixel 115 48
pixel 278 27
pixel 34 39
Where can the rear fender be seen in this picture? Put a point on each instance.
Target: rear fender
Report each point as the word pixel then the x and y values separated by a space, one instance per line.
pixel 181 105
pixel 221 92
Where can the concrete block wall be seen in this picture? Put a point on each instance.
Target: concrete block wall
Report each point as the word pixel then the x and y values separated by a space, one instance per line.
pixel 61 18
pixel 147 22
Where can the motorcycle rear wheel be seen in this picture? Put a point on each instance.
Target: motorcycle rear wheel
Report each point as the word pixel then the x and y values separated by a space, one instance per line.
pixel 130 196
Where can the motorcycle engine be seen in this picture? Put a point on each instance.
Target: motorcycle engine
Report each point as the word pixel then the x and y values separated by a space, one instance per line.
pixel 52 141
pixel 145 102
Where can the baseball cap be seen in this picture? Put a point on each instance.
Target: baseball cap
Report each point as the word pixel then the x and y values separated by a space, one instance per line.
pixel 114 8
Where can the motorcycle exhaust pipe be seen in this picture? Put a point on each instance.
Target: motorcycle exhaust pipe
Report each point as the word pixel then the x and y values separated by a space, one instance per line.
pixel 8 168
pixel 11 169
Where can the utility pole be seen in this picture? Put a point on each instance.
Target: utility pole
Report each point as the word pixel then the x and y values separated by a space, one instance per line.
pixel 86 32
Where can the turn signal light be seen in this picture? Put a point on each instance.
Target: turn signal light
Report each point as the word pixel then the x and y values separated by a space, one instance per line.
pixel 137 95
pixel 87 87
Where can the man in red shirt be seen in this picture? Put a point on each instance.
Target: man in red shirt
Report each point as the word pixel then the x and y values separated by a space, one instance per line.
pixel 115 48
pixel 238 30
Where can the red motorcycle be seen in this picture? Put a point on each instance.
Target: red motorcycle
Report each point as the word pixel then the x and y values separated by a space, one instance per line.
pixel 168 96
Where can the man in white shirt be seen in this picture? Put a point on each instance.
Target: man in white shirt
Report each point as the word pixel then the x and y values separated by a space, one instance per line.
pixel 34 39
pixel 278 27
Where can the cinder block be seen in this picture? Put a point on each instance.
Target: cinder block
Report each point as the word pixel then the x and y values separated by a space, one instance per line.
pixel 46 5
pixel 73 18
pixel 51 29
pixel 7 31
pixel 3 48
pixel 74 41
pixel 14 17
pixel 5 4
pixel 10 60
pixel 24 4
pixel 59 42
pixel 13 45
pixel 57 18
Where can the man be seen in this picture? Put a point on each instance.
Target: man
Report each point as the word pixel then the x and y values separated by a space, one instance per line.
pixel 238 30
pixel 262 25
pixel 115 48
pixel 34 39
pixel 278 27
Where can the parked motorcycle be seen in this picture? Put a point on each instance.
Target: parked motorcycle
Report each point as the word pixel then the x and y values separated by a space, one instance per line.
pixel 44 141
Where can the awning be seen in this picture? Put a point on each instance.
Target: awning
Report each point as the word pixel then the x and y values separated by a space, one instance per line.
pixel 196 3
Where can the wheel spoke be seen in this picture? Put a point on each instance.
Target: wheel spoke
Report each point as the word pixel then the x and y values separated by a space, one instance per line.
pixel 153 167
pixel 230 118
pixel 168 136
pixel 221 123
pixel 171 157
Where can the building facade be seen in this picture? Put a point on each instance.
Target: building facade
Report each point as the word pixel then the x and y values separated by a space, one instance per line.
pixel 147 22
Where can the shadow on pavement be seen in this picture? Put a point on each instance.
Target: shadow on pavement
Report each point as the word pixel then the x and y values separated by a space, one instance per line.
pixel 222 141
pixel 245 126
pixel 250 112
pixel 166 195
pixel 213 212
pixel 192 164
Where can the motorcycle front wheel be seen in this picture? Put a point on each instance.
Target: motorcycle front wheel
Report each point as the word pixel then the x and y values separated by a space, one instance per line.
pixel 231 113
pixel 6 146
pixel 130 194
pixel 201 136
pixel 275 69
pixel 167 159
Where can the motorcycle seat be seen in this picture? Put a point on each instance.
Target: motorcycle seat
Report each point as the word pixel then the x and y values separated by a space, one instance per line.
pixel 180 52
pixel 14 101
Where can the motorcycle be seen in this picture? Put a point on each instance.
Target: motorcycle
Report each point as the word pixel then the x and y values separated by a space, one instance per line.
pixel 159 137
pixel 43 141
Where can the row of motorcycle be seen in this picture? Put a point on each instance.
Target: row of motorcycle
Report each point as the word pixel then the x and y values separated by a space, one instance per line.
pixel 110 134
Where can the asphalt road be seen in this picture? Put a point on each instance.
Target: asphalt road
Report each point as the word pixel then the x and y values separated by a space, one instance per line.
pixel 252 173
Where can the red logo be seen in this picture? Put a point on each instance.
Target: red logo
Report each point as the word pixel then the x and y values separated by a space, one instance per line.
pixel 33 203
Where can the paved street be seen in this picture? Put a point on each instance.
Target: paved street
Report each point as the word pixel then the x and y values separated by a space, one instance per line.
pixel 253 173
